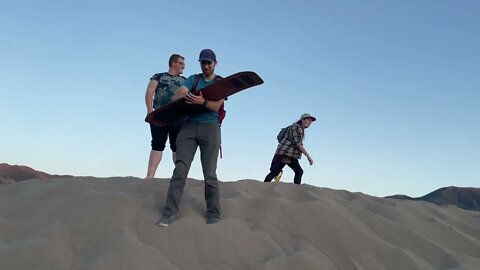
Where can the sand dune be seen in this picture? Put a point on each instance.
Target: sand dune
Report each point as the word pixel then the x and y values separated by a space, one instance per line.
pixel 92 223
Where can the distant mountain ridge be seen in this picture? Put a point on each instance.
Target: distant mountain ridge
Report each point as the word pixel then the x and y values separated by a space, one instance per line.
pixel 16 173
pixel 467 198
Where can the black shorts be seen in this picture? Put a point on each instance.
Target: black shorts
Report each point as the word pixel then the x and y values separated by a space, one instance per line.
pixel 160 134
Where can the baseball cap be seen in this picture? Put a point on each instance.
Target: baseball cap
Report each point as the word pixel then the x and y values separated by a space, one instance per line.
pixel 208 55
pixel 307 115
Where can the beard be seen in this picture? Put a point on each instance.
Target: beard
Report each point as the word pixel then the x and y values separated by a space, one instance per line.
pixel 208 71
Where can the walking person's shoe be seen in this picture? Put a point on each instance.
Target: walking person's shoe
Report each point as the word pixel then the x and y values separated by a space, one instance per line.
pixel 279 176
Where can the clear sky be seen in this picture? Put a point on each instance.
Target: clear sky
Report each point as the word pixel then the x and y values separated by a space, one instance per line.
pixel 395 86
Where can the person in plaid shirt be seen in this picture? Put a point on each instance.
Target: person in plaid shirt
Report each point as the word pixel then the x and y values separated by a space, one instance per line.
pixel 290 150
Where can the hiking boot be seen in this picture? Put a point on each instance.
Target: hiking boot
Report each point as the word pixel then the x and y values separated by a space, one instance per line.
pixel 279 176
pixel 213 220
pixel 164 221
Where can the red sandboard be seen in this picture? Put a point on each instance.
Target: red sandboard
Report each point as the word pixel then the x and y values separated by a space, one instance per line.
pixel 216 91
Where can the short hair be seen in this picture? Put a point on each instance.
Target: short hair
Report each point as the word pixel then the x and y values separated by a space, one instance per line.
pixel 174 58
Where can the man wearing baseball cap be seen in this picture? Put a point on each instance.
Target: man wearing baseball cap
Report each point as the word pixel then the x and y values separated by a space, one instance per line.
pixel 201 130
pixel 290 149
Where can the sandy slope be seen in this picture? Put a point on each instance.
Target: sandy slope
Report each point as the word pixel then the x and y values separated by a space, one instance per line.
pixel 92 223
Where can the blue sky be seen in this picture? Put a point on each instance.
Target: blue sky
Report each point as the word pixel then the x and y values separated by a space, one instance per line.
pixel 394 86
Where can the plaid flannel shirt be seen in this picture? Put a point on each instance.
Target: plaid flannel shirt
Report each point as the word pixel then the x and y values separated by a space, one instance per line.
pixel 293 138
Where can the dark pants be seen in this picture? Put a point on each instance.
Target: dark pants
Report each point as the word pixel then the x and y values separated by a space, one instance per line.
pixel 170 131
pixel 194 135
pixel 277 166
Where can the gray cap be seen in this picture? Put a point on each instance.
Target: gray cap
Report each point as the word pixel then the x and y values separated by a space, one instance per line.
pixel 307 115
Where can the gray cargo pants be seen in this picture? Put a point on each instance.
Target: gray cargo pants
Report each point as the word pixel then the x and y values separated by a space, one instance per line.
pixel 193 135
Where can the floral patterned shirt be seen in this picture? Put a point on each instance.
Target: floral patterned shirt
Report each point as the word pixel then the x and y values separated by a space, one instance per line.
pixel 166 88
